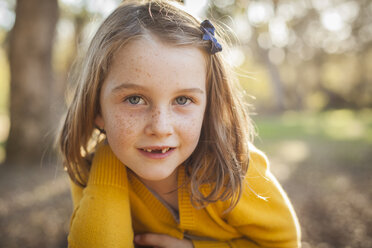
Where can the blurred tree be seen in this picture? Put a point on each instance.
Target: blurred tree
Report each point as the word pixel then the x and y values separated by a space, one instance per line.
pixel 32 96
pixel 316 53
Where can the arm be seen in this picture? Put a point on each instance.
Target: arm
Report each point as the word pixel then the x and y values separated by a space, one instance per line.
pixel 241 243
pixel 101 216
pixel 264 214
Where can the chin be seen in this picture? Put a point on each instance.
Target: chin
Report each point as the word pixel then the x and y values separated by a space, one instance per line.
pixel 155 175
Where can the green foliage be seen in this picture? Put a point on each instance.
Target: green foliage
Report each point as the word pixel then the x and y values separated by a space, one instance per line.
pixel 316 54
pixel 333 125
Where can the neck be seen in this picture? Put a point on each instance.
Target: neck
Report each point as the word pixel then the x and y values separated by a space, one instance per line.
pixel 164 186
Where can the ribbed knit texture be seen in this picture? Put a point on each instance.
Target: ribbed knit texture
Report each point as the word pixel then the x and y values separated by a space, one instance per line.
pixel 103 207
pixel 116 176
pixel 158 209
pixel 187 216
pixel 116 204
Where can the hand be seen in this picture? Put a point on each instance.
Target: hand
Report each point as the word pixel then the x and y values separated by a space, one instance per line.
pixel 161 241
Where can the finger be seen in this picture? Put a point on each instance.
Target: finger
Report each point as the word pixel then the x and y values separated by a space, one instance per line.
pixel 152 239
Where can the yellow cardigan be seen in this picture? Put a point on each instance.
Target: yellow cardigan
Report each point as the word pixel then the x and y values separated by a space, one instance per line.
pixel 115 205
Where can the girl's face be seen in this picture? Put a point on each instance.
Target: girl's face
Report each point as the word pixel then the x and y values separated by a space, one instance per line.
pixel 152 104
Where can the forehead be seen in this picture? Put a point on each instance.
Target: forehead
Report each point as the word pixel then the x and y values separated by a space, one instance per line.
pixel 149 60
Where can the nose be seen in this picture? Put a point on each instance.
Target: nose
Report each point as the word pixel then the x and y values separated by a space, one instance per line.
pixel 160 123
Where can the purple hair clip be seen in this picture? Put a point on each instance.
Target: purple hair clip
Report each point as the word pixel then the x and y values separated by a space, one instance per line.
pixel 208 34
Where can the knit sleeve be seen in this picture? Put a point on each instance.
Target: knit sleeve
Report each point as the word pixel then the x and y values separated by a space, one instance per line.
pixel 101 216
pixel 264 214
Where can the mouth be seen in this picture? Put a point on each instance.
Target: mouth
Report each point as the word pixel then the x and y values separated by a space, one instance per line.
pixel 160 150
pixel 157 152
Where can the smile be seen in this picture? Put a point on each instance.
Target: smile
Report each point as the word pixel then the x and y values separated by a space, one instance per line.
pixel 163 150
pixel 157 152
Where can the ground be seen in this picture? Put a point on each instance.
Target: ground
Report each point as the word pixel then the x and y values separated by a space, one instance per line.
pixel 324 165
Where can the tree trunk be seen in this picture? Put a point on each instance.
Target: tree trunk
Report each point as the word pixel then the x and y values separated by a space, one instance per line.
pixel 32 79
pixel 275 81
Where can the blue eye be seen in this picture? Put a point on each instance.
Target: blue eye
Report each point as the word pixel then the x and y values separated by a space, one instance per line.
pixel 134 100
pixel 183 100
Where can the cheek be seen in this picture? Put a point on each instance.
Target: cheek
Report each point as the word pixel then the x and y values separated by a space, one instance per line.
pixel 191 127
pixel 128 124
pixel 122 125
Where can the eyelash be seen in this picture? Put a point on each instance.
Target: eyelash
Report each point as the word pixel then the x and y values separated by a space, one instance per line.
pixel 127 99
pixel 187 99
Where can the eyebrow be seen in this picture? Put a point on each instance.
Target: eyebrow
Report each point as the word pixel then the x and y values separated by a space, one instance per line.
pixel 139 87
pixel 127 86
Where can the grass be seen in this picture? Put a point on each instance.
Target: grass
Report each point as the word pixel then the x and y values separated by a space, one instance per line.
pixel 336 125
pixel 323 160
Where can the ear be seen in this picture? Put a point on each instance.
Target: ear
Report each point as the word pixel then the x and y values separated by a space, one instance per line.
pixel 99 122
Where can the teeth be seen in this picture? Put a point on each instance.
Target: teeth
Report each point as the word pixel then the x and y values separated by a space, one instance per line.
pixel 164 150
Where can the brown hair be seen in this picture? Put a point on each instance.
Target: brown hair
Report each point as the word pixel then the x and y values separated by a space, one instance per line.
pixel 221 156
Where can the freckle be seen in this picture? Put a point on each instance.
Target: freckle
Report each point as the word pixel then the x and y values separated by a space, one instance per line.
pixel 148 74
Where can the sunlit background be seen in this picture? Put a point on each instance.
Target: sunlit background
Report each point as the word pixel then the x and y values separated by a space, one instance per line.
pixel 306 66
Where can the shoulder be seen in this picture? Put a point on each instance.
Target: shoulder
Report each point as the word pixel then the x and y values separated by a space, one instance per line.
pixel 260 188
pixel 258 176
pixel 258 162
pixel 257 183
pixel 262 194
pixel 264 203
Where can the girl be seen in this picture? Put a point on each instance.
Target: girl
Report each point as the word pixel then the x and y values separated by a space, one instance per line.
pixel 156 142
